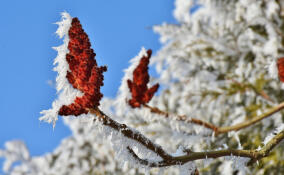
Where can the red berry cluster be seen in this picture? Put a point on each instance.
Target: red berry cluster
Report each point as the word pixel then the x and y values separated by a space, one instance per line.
pixel 84 74
pixel 280 66
pixel 138 87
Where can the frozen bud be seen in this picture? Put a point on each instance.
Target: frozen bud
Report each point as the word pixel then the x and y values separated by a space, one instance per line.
pixel 141 94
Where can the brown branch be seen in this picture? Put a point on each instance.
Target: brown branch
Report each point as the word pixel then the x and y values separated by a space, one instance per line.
pixel 264 95
pixel 216 129
pixel 248 123
pixel 179 160
pixel 183 118
pixel 168 160
pixel 253 154
pixel 264 152
pixel 129 133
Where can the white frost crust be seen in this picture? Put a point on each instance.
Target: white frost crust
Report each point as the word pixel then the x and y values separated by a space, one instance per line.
pixel 179 152
pixel 66 93
pixel 232 163
pixel 182 9
pixel 226 168
pixel 14 151
pixel 187 168
pixel 273 70
pixel 275 132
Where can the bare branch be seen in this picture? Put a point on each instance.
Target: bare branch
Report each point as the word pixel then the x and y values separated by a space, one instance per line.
pixel 183 118
pixel 216 129
pixel 129 133
pixel 179 160
pixel 248 123
pixel 169 160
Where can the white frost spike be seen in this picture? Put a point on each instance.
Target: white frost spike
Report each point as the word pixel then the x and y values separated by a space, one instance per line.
pixel 275 132
pixel 273 70
pixel 182 9
pixel 66 93
pixel 64 24
pixel 187 168
pixel 236 135
pixel 179 152
pixel 15 151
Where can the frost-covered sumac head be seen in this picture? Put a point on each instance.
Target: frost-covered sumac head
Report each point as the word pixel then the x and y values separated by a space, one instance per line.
pixel 79 77
pixel 140 93
pixel 84 74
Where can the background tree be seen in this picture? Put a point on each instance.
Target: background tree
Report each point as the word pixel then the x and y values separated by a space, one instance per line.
pixel 213 73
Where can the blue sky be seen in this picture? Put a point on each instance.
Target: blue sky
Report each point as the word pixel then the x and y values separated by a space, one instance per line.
pixel 117 31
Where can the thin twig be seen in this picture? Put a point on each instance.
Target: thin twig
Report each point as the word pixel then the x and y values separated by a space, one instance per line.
pixel 216 129
pixel 248 123
pixel 183 118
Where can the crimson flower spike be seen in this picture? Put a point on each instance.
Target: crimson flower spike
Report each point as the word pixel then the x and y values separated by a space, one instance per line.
pixel 141 94
pixel 84 74
pixel 280 66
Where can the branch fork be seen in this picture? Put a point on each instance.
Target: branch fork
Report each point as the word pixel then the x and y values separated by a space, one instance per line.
pixel 169 160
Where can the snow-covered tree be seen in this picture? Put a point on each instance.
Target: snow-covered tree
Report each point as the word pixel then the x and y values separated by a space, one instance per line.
pixel 218 109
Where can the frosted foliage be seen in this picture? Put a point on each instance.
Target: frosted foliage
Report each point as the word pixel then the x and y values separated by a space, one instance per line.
pixel 181 11
pixel 14 151
pixel 209 54
pixel 219 64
